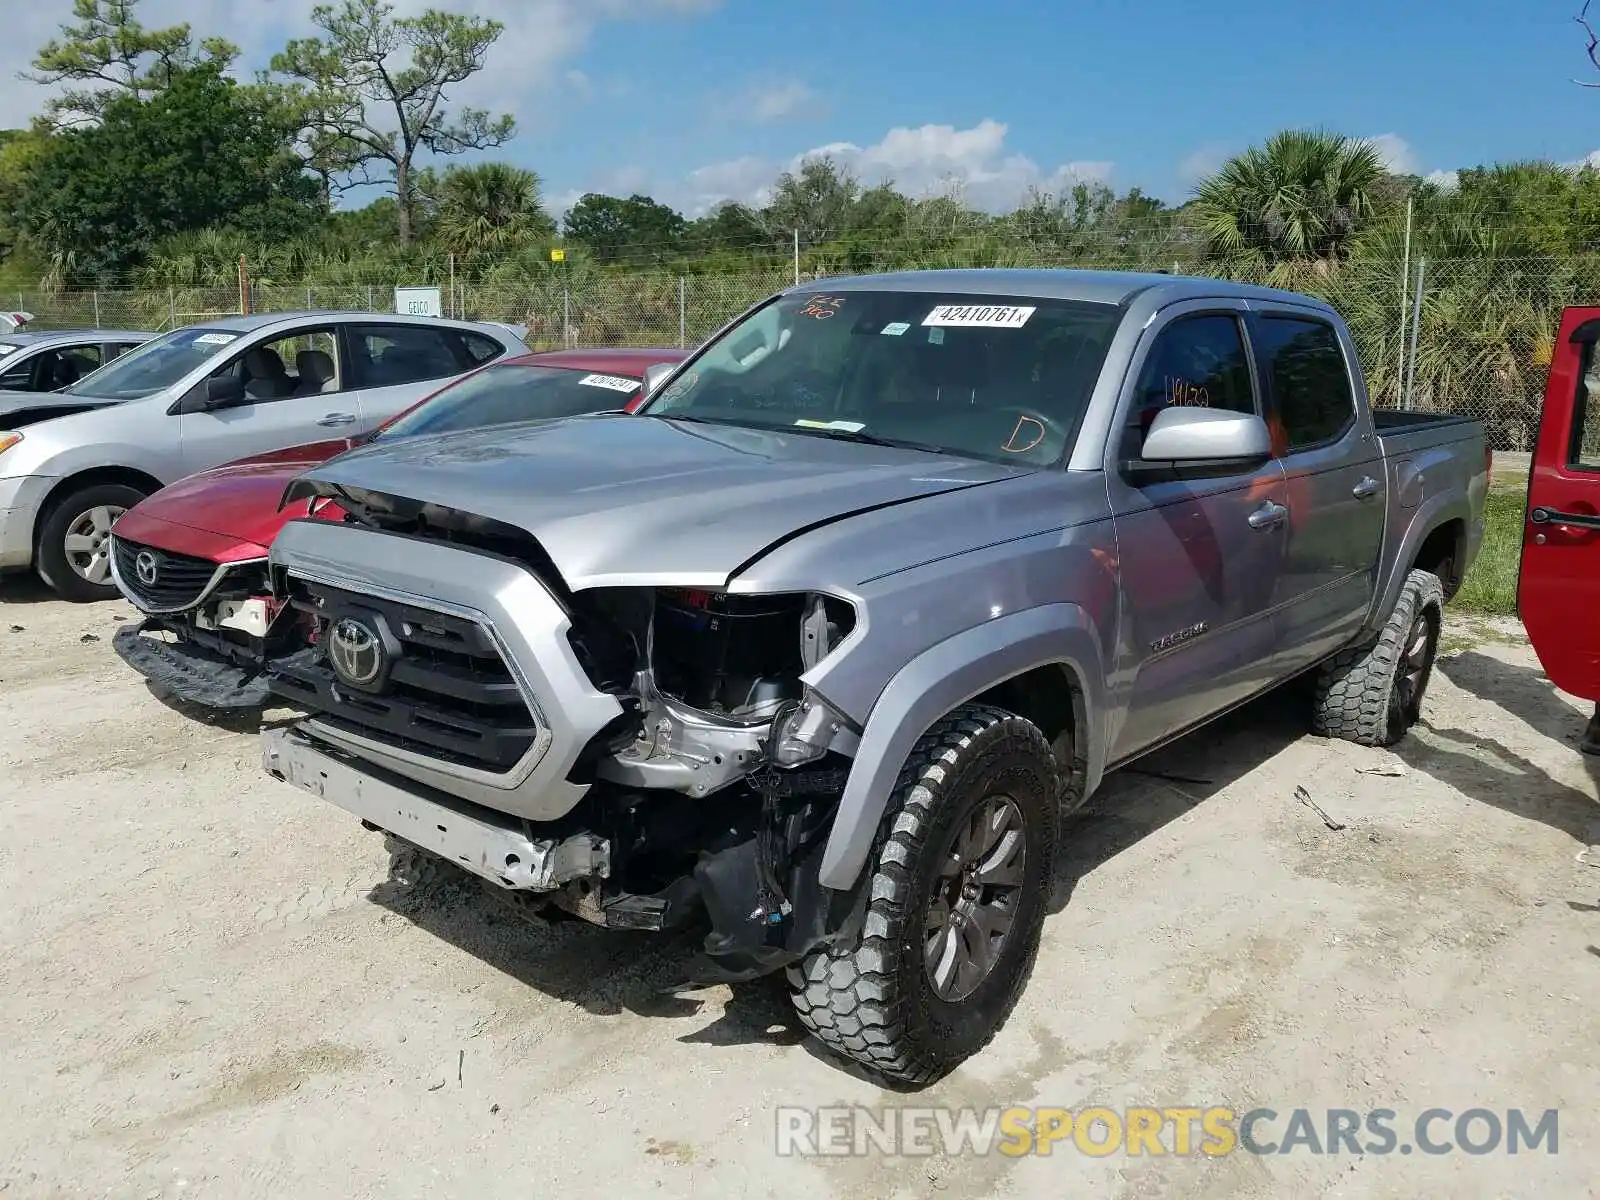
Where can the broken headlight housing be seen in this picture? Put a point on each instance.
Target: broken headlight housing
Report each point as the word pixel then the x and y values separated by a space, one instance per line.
pixel 805 731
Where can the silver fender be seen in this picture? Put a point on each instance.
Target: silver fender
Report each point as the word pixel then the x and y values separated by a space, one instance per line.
pixel 938 680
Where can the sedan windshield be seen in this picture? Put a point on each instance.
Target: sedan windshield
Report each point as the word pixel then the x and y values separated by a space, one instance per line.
pixel 987 377
pixel 510 392
pixel 155 365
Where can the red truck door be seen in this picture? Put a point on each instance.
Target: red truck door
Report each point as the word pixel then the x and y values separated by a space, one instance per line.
pixel 1558 586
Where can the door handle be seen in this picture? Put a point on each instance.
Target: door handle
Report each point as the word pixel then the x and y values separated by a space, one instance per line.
pixel 1366 488
pixel 1549 516
pixel 338 419
pixel 1268 516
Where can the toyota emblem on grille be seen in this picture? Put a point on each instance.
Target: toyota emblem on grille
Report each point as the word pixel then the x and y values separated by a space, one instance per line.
pixel 147 566
pixel 355 652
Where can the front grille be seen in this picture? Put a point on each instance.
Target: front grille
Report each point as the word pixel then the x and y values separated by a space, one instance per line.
pixel 180 580
pixel 446 692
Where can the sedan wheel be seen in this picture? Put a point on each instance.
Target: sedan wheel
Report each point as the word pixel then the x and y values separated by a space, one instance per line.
pixel 88 543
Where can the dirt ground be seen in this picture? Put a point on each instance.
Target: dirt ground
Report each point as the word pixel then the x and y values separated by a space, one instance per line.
pixel 209 987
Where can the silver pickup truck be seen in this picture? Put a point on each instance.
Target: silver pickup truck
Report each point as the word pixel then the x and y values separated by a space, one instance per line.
pixel 883 581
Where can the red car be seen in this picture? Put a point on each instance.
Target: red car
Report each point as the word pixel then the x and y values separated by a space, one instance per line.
pixel 1558 584
pixel 192 557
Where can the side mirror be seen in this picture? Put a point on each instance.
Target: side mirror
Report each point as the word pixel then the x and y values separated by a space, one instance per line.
pixel 223 391
pixel 1208 437
pixel 653 376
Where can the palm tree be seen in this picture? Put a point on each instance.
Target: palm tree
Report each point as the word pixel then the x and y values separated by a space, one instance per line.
pixel 1296 202
pixel 490 207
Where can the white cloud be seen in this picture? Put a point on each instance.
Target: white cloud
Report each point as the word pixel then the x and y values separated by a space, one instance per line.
pixel 1396 154
pixel 1445 180
pixel 922 161
pixel 1207 160
pixel 747 180
pixel 540 36
pixel 777 101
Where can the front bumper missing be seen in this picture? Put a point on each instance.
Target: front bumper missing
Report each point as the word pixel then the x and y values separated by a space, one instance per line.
pixel 487 843
pixel 190 672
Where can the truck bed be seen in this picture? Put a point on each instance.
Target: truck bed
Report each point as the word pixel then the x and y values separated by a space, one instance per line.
pixel 1406 432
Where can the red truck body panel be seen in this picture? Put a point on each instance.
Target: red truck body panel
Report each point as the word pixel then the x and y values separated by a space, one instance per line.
pixel 230 513
pixel 1558 583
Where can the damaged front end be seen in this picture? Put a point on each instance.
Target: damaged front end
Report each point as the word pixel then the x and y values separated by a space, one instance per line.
pixel 206 629
pixel 633 756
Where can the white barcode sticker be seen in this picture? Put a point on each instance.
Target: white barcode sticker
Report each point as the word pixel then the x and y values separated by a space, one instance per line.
pixel 979 316
pixel 616 383
pixel 216 339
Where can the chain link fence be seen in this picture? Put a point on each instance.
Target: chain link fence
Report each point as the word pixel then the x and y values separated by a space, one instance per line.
pixel 1480 343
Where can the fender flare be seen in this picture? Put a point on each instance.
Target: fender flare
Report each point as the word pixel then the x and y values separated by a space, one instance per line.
pixel 941 678
pixel 1429 517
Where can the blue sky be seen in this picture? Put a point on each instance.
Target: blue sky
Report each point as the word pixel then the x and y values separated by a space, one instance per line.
pixel 699 100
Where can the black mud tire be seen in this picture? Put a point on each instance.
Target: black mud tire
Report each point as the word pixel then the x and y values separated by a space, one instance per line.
pixel 872 1001
pixel 1372 693
pixel 50 552
pixel 414 867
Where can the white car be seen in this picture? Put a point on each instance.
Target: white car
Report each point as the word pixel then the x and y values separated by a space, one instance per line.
pixel 77 458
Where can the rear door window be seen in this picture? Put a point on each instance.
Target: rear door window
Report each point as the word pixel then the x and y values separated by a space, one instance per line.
pixel 1312 398
pixel 390 355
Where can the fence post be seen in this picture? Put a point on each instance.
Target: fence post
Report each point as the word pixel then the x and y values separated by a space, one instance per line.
pixel 97 308
pixel 683 315
pixel 566 312
pixel 1405 281
pixel 310 298
pixel 797 258
pixel 369 299
pixel 1416 320
pixel 172 308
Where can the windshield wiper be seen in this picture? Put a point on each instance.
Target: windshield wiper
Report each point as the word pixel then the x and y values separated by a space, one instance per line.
pixel 671 416
pixel 865 438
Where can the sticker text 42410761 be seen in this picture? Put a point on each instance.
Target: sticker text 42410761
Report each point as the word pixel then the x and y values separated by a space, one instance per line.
pixel 979 316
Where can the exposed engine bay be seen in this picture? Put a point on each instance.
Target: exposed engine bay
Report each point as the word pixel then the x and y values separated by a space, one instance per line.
pixel 713 791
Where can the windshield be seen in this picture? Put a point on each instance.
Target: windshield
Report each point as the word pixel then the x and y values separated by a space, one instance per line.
pixel 987 377
pixel 512 392
pixel 155 365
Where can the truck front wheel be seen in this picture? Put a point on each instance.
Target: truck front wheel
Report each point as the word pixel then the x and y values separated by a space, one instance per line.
pixel 1372 693
pixel 961 874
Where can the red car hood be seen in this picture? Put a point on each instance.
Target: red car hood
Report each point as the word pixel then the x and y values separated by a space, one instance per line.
pixel 226 514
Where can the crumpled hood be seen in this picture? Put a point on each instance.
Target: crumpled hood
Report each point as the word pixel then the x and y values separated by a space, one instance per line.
pixel 639 500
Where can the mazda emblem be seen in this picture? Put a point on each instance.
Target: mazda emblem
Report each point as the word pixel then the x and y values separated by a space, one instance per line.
pixel 355 652
pixel 147 566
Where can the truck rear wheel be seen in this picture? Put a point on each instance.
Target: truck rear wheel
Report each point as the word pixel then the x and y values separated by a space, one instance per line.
pixel 1371 694
pixel 961 872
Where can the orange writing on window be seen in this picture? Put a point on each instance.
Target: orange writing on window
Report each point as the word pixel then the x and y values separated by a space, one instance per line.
pixel 1010 446
pixel 1183 394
